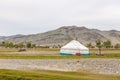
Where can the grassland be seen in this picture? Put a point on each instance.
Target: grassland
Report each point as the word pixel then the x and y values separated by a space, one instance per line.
pixel 28 49
pixel 54 54
pixel 41 56
pixel 53 75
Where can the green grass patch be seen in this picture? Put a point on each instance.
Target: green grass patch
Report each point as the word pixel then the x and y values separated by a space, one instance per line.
pixel 106 51
pixel 53 75
pixel 42 56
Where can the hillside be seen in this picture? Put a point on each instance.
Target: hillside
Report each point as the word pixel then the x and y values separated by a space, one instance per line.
pixel 65 34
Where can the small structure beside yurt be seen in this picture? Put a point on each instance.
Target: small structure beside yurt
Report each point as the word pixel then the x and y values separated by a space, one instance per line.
pixel 74 48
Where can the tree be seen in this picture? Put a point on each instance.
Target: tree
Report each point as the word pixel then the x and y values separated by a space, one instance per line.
pixel 10 45
pixel 107 44
pixel 2 44
pixel 28 45
pixel 21 45
pixel 33 45
pixel 6 44
pixel 117 46
pixel 99 45
pixel 90 45
pixel 16 45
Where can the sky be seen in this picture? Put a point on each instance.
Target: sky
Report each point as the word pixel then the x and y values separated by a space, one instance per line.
pixel 37 16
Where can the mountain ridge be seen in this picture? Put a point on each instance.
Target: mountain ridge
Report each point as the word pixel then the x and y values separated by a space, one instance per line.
pixel 65 34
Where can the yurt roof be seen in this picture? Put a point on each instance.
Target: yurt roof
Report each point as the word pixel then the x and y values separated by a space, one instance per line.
pixel 74 45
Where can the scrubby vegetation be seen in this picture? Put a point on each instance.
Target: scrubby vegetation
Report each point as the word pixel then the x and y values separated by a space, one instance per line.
pixel 103 44
pixel 97 44
pixel 17 45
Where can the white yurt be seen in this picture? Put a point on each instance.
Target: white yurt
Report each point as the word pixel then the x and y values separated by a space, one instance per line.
pixel 74 48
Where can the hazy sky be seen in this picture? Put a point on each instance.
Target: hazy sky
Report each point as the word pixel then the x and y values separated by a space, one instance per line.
pixel 36 16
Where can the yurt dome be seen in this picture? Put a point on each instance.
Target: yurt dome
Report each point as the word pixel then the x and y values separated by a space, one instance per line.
pixel 73 48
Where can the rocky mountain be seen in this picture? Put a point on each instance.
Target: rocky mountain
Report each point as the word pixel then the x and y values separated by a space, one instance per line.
pixel 65 34
pixel 6 38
